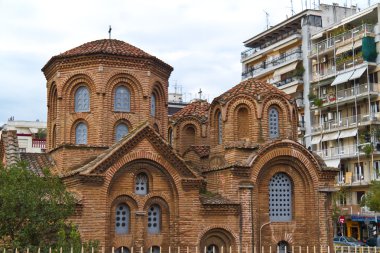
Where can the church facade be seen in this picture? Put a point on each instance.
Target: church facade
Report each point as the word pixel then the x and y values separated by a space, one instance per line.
pixel 229 174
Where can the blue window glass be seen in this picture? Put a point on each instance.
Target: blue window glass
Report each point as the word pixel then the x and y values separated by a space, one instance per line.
pixel 121 131
pixel 82 99
pixel 280 198
pixel 153 105
pixel 220 128
pixel 154 219
pixel 81 134
pixel 122 99
pixel 122 249
pixel 154 249
pixel 122 219
pixel 141 184
pixel 273 123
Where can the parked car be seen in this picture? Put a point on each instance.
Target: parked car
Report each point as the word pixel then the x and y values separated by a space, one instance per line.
pixel 347 241
pixel 372 242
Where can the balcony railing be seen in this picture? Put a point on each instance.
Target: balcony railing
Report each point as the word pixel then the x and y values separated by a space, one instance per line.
pixel 271 64
pixel 343 123
pixel 39 143
pixel 349 62
pixel 330 70
pixel 350 93
pixel 338 152
pixel 288 80
pixel 363 30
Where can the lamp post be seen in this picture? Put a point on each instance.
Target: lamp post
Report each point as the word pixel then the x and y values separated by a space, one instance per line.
pixel 261 229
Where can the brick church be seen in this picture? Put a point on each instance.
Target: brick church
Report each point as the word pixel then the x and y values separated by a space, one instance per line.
pixel 229 174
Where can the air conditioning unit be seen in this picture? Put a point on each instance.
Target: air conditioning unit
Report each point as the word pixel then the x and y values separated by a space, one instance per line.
pixel 324 59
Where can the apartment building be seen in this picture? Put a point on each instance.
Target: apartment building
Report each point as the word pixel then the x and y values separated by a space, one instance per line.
pixel 345 111
pixel 31 135
pixel 278 56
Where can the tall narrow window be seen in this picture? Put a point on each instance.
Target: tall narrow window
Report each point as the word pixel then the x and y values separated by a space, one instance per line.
pixel 82 100
pixel 81 133
pixel 154 219
pixel 212 248
pixel 122 249
pixel 243 123
pixel 122 99
pixel 122 219
pixel 170 136
pixel 153 105
pixel 141 184
pixel 280 198
pixel 273 123
pixel 120 131
pixel 154 249
pixel 220 128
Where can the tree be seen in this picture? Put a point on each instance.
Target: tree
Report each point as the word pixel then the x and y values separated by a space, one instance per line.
pixel 372 198
pixel 33 208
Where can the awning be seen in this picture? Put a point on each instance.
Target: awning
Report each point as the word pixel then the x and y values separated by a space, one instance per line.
pixel 343 49
pixel 285 69
pixel 330 136
pixel 348 133
pixel 316 139
pixel 290 90
pixel 354 17
pixel 358 73
pixel 342 78
pixel 333 163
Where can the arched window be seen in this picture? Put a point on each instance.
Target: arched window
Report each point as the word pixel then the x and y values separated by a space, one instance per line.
pixel 153 105
pixel 154 249
pixel 189 135
pixel 283 247
pixel 54 102
pixel 120 131
pixel 212 248
pixel 82 100
pixel 243 123
pixel 81 133
pixel 273 123
pixel 220 128
pixel 122 249
pixel 122 219
pixel 141 184
pixel 280 198
pixel 122 99
pixel 154 219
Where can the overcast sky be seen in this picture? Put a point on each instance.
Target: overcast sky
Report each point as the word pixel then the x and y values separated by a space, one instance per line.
pixel 201 39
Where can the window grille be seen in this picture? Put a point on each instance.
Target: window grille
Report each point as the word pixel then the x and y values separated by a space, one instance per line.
pixel 154 249
pixel 154 219
pixel 122 99
pixel 141 184
pixel 81 134
pixel 121 131
pixel 153 105
pixel 273 123
pixel 280 198
pixel 122 249
pixel 82 100
pixel 212 249
pixel 122 219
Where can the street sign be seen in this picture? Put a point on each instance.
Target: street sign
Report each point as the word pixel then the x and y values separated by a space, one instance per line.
pixel 341 219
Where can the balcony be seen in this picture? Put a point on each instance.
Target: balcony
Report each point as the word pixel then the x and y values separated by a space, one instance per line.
pixel 343 96
pixel 293 79
pixel 349 62
pixel 348 122
pixel 273 64
pixel 39 143
pixel 325 73
pixel 339 152
pixel 355 33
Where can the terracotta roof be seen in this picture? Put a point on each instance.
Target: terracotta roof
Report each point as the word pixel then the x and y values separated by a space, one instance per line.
pixel 216 199
pixel 250 87
pixel 37 161
pixel 201 150
pixel 105 47
pixel 198 108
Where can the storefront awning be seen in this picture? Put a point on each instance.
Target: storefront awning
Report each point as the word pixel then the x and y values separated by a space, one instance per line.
pixel 330 136
pixel 333 163
pixel 344 49
pixel 342 78
pixel 316 139
pixel 348 133
pixel 358 73
pixel 285 69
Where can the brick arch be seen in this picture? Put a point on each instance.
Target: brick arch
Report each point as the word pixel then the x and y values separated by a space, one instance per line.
pixel 117 122
pixel 72 86
pixel 290 151
pixel 213 114
pixel 74 124
pixel 112 79
pixel 124 199
pixel 161 100
pixel 280 101
pixel 131 83
pixel 210 231
pixel 238 101
pixel 75 78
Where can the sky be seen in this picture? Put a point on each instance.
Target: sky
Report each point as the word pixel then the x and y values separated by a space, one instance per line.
pixel 201 39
